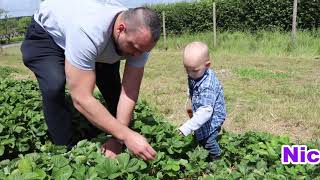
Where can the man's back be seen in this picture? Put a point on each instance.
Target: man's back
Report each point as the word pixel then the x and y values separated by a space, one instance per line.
pixel 59 16
pixel 81 27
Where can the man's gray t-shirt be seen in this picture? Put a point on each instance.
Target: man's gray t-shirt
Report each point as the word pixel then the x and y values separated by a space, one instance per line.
pixel 83 28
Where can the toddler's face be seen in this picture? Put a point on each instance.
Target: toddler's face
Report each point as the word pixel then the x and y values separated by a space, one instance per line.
pixel 195 71
pixel 196 59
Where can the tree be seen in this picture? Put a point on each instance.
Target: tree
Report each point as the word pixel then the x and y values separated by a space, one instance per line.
pixel 2 24
pixel 2 12
pixel 22 24
pixel 7 26
pixel 1 28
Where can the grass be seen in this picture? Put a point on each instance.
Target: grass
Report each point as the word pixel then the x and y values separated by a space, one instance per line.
pixel 253 73
pixel 268 85
pixel 262 43
pixel 11 65
pixel 6 71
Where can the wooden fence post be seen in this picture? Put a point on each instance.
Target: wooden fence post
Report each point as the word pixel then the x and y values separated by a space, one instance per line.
pixel 294 24
pixel 164 30
pixel 214 25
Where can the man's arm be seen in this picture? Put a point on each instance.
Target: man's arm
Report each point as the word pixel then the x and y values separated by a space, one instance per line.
pixel 81 84
pixel 130 86
pixel 131 82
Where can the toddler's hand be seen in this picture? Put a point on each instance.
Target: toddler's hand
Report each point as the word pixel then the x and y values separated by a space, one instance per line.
pixel 190 113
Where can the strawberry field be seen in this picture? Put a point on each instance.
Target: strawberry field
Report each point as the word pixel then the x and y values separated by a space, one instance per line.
pixel 26 151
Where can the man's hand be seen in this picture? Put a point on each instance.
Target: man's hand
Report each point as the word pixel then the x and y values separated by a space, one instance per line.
pixel 111 148
pixel 139 146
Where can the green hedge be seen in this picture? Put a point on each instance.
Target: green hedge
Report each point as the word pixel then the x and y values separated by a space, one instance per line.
pixel 239 15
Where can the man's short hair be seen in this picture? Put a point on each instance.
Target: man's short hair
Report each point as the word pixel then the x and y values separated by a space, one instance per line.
pixel 143 16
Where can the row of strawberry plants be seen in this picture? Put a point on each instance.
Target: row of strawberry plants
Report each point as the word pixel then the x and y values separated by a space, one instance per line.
pixel 250 155
pixel 21 126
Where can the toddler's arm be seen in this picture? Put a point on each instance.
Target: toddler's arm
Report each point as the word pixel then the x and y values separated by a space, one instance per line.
pixel 201 116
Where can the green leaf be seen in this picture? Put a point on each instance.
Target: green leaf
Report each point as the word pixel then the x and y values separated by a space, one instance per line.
pixel 271 151
pixel 172 165
pixel 115 175
pixel 261 165
pixel 106 167
pixel 123 160
pixel 262 152
pixel 284 140
pixel 37 174
pixel 259 172
pixel 59 161
pixel 175 167
pixel 130 177
pixel 19 129
pixel 243 167
pixel 2 175
pixel 235 175
pixel 62 173
pixel 29 176
pixel 170 151
pixel 133 165
pixel 80 171
pixel 171 174
pixel 80 159
pixel 92 173
pixel 159 175
pixel 10 141
pixel 1 128
pixel 183 162
pixel 177 143
pixel 142 164
pixel 22 147
pixel 25 166
pixel 147 130
pixel 2 148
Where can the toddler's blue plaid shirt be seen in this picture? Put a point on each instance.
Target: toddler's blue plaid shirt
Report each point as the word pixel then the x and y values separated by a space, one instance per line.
pixel 205 91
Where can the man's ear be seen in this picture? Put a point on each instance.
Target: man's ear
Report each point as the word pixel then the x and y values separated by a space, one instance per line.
pixel 121 27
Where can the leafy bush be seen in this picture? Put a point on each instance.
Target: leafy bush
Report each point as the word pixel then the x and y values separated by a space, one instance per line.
pixel 16 39
pixel 239 15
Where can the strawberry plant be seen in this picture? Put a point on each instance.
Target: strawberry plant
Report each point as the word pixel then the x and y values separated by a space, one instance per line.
pixel 21 126
pixel 26 151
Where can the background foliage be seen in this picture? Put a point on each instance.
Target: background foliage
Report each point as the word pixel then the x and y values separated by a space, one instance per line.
pixel 239 15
